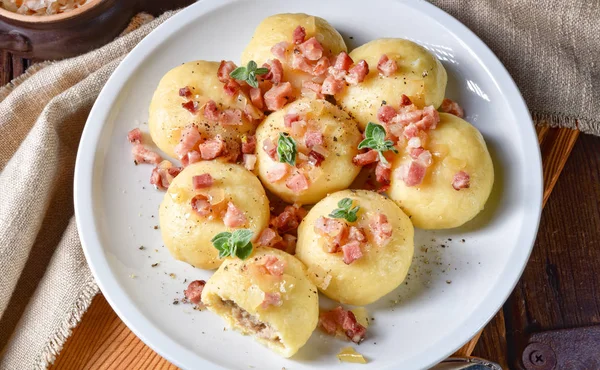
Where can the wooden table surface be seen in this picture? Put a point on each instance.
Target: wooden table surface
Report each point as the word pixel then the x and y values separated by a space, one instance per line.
pixel 560 287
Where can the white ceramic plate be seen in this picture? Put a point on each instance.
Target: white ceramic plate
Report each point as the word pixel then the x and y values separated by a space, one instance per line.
pixel 454 287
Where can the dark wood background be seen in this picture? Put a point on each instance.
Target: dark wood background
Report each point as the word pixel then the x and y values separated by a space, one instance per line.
pixel 560 287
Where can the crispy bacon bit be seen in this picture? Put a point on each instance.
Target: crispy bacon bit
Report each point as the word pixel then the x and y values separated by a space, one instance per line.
pixel 290 117
pixel 141 154
pixel 322 66
pixel 299 35
pixel 312 89
pixel 135 136
pixel 275 71
pixel 211 111
pixel 288 244
pixel 357 73
pixel 270 148
pixel 274 265
pixel 256 97
pixel 411 131
pixel 300 62
pixel 422 156
pixel 278 96
pixel 277 172
pixel 452 107
pixel 185 92
pixel 405 101
pixel 386 113
pixel 364 159
pixel 194 291
pixel 381 228
pixel 249 161
pixel 288 220
pixel 191 106
pixel 231 117
pixel 412 174
pixel 272 299
pixel 189 138
pixel 386 66
pixel 279 49
pixel 249 144
pixel 163 174
pixel 157 180
pixel 201 205
pixel 225 68
pixel 333 229
pixel 383 173
pixel 212 148
pixel 297 183
pixel 268 238
pixel 332 86
pixel 191 157
pixel 357 234
pixel 315 158
pixel 311 49
pixel 252 113
pixel 461 180
pixel 231 87
pixel 202 181
pixel 341 320
pixel 234 217
pixel 351 252
pixel 312 138
pixel 430 118
pixel 343 62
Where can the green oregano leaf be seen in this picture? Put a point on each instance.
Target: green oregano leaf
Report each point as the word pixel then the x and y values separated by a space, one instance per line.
pixel 286 149
pixel 375 139
pixel 345 210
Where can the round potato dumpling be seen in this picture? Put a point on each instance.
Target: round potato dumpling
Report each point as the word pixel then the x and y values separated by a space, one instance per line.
pixel 456 185
pixel 168 117
pixel 325 139
pixel 195 209
pixel 361 261
pixel 280 27
pixel 267 296
pixel 419 75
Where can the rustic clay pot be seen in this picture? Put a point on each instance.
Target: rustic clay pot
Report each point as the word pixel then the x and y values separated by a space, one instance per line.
pixel 75 32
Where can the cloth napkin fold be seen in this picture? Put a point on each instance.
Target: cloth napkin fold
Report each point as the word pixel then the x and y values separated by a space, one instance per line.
pixel 550 47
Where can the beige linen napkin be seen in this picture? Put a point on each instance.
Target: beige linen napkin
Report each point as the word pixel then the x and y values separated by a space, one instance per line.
pixel 550 47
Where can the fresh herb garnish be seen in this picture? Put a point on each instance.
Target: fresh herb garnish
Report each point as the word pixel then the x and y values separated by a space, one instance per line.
pixel 375 139
pixel 236 244
pixel 249 73
pixel 345 210
pixel 286 149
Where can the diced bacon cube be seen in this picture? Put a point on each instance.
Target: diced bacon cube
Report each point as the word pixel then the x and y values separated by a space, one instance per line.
pixel 191 106
pixel 234 217
pixel 430 119
pixel 202 181
pixel 191 157
pixel 288 220
pixel 278 96
pixel 189 138
pixel 231 87
pixel 249 161
pixel 315 158
pixel 268 238
pixel 290 117
pixel 297 183
pixel 343 62
pixel 211 111
pixel 312 89
pixel 322 66
pixel 274 265
pixel 231 117
pixel 275 71
pixel 358 73
pixel 331 86
pixel 452 107
pixel 461 180
pixel 412 174
pixel 381 229
pixel 277 171
pixel 225 68
pixel 357 234
pixel 312 138
pixel 364 159
pixel 135 136
pixel 185 92
pixel 212 148
pixel 383 173
pixel 414 142
pixel 300 62
pixel 334 229
pixel 194 291
pixel 279 49
pixel 311 49
pixel 270 148
pixel 422 156
pixel 351 252
pixel 249 144
pixel 386 113
pixel 272 299
pixel 387 66
pixel 141 154
pixel 288 243
pixel 256 97
pixel 411 131
pixel 344 321
pixel 299 35
pixel 405 101
pixel 200 205
pixel 158 179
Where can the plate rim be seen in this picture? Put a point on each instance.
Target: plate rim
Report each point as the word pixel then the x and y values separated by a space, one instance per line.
pixel 84 185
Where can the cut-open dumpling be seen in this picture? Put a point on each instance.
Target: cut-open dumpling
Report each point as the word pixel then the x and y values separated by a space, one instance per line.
pixel 207 198
pixel 267 296
pixel 357 245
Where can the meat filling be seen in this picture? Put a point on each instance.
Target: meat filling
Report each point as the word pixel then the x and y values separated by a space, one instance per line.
pixel 251 323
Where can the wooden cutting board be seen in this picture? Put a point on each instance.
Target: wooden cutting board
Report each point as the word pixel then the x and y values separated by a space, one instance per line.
pixel 102 341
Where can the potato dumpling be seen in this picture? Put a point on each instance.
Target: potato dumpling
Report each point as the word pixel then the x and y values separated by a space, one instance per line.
pixel 280 27
pixel 420 76
pixel 186 233
pixel 457 147
pixel 168 118
pixel 383 235
pixel 267 296
pixel 326 140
